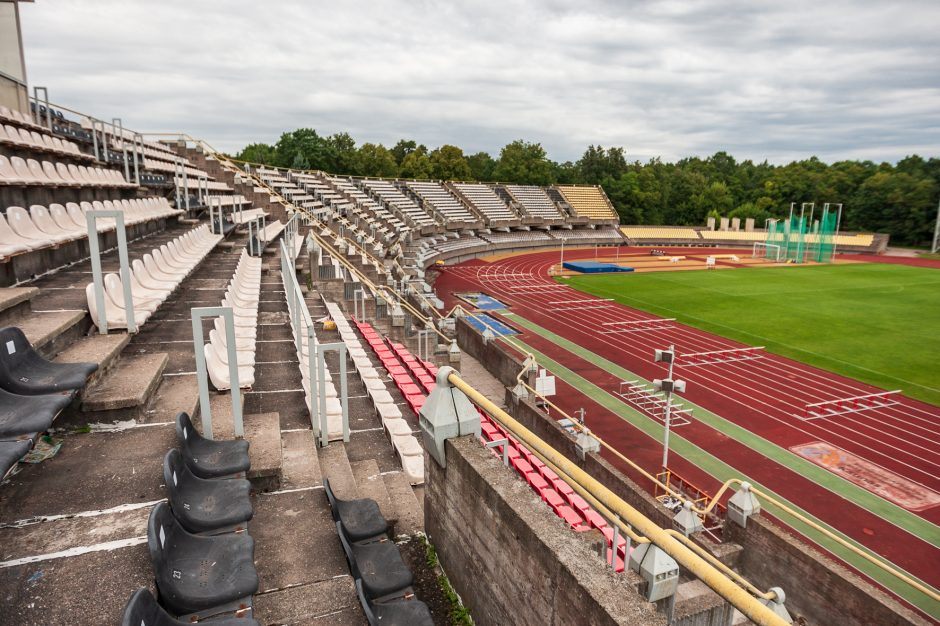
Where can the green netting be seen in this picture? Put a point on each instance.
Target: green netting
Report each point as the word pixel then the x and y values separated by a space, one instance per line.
pixel 794 239
pixel 825 237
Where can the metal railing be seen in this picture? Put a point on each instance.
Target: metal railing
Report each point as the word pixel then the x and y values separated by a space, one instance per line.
pixel 91 219
pixel 202 375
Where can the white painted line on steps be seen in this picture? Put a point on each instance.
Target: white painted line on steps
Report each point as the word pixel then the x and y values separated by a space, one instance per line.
pixel 294 490
pixel 121 508
pixel 107 546
pixel 179 373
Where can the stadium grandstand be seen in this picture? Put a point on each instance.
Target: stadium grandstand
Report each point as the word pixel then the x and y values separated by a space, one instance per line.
pixel 234 393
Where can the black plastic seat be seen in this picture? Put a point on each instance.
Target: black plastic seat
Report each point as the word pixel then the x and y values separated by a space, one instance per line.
pixel 197 574
pixel 24 416
pixel 361 519
pixel 142 610
pixel 379 565
pixel 202 505
pixel 24 371
pixel 207 458
pixel 396 613
pixel 11 452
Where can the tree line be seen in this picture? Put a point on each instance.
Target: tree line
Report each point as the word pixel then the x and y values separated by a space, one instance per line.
pixel 899 199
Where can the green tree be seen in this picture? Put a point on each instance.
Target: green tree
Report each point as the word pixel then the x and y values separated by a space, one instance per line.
pixel 340 154
pixel 417 165
pixel 524 163
pixel 596 164
pixel 481 166
pixel 449 163
pixel 403 148
pixel 375 160
pixel 257 153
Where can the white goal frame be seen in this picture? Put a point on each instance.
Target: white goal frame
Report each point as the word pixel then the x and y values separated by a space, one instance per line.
pixel 766 246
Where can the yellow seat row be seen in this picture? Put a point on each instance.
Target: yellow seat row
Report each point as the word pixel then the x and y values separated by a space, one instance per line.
pixel 658 233
pixel 588 202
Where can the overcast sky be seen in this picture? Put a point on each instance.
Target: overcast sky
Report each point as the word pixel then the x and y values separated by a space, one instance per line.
pixel 776 80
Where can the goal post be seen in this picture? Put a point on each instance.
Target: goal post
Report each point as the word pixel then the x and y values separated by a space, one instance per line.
pixel 764 250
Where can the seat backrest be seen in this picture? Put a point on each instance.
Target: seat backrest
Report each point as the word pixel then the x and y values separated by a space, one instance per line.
pixel 14 348
pixel 185 433
pixel 175 473
pixel 363 601
pixel 61 217
pixel 347 549
pixel 330 496
pixel 142 610
pixel 21 223
pixel 162 527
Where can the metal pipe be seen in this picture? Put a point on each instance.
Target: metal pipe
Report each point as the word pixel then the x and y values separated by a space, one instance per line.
pixel 718 582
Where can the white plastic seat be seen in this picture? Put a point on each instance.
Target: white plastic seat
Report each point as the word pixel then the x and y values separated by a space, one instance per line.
pixel 245 357
pixel 219 374
pixel 243 344
pixel 241 332
pixel 147 280
pixel 48 226
pixel 26 177
pixel 388 410
pixel 115 288
pixel 116 316
pixel 23 226
pixel 61 217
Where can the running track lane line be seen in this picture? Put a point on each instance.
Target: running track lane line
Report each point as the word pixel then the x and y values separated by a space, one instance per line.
pixel 896 515
pixel 722 471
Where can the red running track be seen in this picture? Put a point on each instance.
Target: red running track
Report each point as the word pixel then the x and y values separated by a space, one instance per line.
pixel 900 438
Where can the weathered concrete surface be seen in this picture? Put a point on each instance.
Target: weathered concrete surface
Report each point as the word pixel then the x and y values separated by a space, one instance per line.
pixel 101 349
pixel 88 589
pixel 175 394
pixel 330 602
pixel 335 467
pixel 91 472
pixel 370 483
pixel 295 539
pixel 129 386
pixel 44 327
pixel 301 466
pixel 263 432
pixel 510 558
pixel 408 510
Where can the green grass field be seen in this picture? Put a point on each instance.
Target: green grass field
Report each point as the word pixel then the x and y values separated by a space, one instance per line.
pixel 877 323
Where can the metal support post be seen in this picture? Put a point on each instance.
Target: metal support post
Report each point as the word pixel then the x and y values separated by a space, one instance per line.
pixel 91 219
pixel 45 94
pixel 322 349
pixel 118 125
pixel 202 376
pixel 137 138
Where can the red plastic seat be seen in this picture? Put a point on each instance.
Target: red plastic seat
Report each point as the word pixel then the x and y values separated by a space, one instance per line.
pixel 396 370
pixel 595 519
pixel 536 481
pixel 521 465
pixel 549 475
pixel 563 488
pixel 408 388
pixel 571 516
pixel 552 498
pixel 578 503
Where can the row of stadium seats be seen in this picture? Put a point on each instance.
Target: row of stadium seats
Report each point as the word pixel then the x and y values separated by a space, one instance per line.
pixel 12 116
pixel 242 295
pixel 33 391
pixel 41 227
pixel 405 444
pixel 485 200
pixel 442 201
pixel 383 581
pixel 39 142
pixel 30 172
pixel 153 278
pixel 534 201
pixel 200 552
pixel 588 202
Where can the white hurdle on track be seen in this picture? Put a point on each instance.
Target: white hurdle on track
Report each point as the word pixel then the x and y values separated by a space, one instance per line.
pixel 634 326
pixel 719 356
pixel 854 404
pixel 652 402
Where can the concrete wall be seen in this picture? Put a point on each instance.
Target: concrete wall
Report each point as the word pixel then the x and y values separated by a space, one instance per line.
pixel 818 589
pixel 510 558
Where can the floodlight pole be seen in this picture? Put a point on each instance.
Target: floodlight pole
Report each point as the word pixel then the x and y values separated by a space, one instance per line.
pixel 667 386
pixel 561 262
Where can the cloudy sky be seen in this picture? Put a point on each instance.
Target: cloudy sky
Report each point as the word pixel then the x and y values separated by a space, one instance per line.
pixel 774 80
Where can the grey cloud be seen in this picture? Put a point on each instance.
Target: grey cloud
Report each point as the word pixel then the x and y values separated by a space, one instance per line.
pixel 672 79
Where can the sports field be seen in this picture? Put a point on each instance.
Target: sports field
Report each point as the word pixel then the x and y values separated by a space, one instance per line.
pixel 874 322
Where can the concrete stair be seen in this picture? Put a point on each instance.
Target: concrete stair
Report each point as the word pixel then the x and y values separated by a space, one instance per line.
pixel 334 463
pixel 101 349
pixel 301 465
pixel 124 392
pixel 408 510
pixel 370 484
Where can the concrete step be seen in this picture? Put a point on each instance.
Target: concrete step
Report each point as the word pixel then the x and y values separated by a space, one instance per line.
pixel 335 466
pixel 101 349
pixel 52 331
pixel 301 464
pixel 371 485
pixel 175 394
pixel 125 391
pixel 14 304
pixel 263 432
pixel 409 512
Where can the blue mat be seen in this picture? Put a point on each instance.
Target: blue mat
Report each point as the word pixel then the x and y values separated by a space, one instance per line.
pixel 593 267
pixel 482 321
pixel 482 301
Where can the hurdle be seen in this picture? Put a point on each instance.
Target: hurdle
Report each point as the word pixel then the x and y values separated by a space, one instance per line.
pixel 714 357
pixel 854 404
pixel 651 402
pixel 635 326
